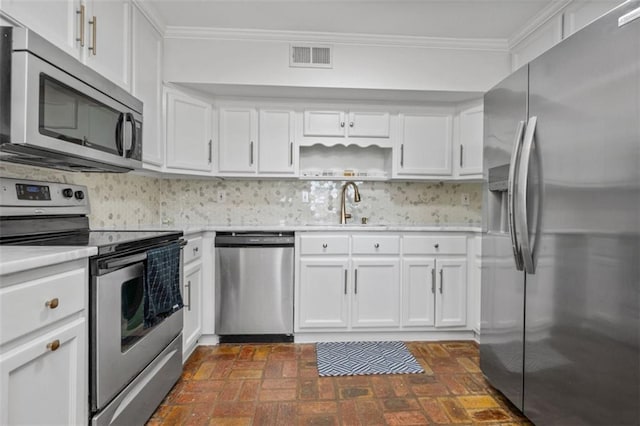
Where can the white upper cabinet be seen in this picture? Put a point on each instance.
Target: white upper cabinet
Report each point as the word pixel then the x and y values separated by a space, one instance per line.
pixel 189 144
pixel 579 14
pixel 324 123
pixel 256 143
pixel 368 124
pixel 576 15
pixel 109 39
pixel 538 42
pixel 276 148
pixel 341 124
pixel 470 138
pixel 96 32
pixel 58 21
pixel 237 147
pixel 424 148
pixel 147 85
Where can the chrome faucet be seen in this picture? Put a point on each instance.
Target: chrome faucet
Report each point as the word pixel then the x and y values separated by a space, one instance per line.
pixel 356 198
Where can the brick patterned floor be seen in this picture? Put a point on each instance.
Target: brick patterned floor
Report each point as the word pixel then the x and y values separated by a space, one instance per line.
pixel 278 384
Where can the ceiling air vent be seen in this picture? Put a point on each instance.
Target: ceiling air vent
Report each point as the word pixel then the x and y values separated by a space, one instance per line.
pixel 310 56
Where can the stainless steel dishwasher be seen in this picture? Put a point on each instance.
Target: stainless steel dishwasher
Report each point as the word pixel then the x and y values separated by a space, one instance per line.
pixel 254 286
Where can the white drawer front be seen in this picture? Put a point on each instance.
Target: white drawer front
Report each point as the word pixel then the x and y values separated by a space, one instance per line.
pixel 376 244
pixel 324 244
pixel 193 249
pixel 23 307
pixel 421 244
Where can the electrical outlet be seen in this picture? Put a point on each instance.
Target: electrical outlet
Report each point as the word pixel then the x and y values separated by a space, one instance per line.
pixel 465 199
pixel 305 196
pixel 222 196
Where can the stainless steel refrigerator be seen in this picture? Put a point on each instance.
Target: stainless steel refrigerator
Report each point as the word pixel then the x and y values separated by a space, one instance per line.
pixel 560 330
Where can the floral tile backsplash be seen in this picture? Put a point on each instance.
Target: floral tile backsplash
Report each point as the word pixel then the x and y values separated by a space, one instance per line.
pixel 131 200
pixel 254 202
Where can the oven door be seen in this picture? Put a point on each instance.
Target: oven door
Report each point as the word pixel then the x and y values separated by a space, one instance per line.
pixel 55 111
pixel 120 345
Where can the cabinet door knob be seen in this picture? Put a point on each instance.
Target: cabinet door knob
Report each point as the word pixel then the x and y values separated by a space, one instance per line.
pixel 351 124
pixel 342 124
pixel 53 303
pixel 376 245
pixel 195 249
pixel 437 246
pixel 324 245
pixel 53 346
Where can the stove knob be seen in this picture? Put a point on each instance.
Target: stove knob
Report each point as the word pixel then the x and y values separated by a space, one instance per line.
pixel 67 193
pixel 79 195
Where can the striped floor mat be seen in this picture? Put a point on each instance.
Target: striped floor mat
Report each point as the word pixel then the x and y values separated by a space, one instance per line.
pixel 360 358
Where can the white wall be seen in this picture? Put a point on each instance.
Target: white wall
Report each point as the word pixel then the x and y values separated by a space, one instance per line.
pixel 192 60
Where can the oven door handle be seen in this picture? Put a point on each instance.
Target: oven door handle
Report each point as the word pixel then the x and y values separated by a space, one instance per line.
pixel 106 265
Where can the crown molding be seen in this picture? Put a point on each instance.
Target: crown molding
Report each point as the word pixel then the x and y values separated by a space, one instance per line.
pixel 551 10
pixel 206 33
pixel 149 11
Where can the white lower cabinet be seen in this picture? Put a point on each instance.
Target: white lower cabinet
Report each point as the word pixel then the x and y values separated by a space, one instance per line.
pixel 451 296
pixel 192 282
pixel 435 292
pixel 376 292
pixel 434 282
pixel 44 346
pixel 381 282
pixel 323 293
pixel 419 292
pixel 43 381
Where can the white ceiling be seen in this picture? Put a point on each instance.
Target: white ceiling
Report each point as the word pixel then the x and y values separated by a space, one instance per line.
pixel 485 19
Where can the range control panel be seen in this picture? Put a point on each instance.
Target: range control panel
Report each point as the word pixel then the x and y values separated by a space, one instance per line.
pixel 23 197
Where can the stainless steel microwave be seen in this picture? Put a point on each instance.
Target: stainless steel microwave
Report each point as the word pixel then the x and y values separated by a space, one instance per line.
pixel 56 112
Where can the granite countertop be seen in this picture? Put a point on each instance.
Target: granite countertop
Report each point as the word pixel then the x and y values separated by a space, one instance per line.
pixel 196 228
pixel 21 258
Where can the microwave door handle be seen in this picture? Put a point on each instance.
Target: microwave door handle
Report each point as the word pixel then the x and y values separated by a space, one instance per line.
pixel 134 135
pixel 119 134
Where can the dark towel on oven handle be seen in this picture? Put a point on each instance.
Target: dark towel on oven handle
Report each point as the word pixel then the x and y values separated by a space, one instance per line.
pixel 162 284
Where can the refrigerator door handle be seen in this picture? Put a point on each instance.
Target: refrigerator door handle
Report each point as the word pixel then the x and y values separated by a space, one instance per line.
pixel 522 226
pixel 511 195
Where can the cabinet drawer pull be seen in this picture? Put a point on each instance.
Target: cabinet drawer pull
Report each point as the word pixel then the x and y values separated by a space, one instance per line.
pixel 188 287
pixel 345 281
pixel 53 346
pixel 81 26
pixel 324 245
pixel 291 153
pixel 94 43
pixel 53 303
pixel 377 245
